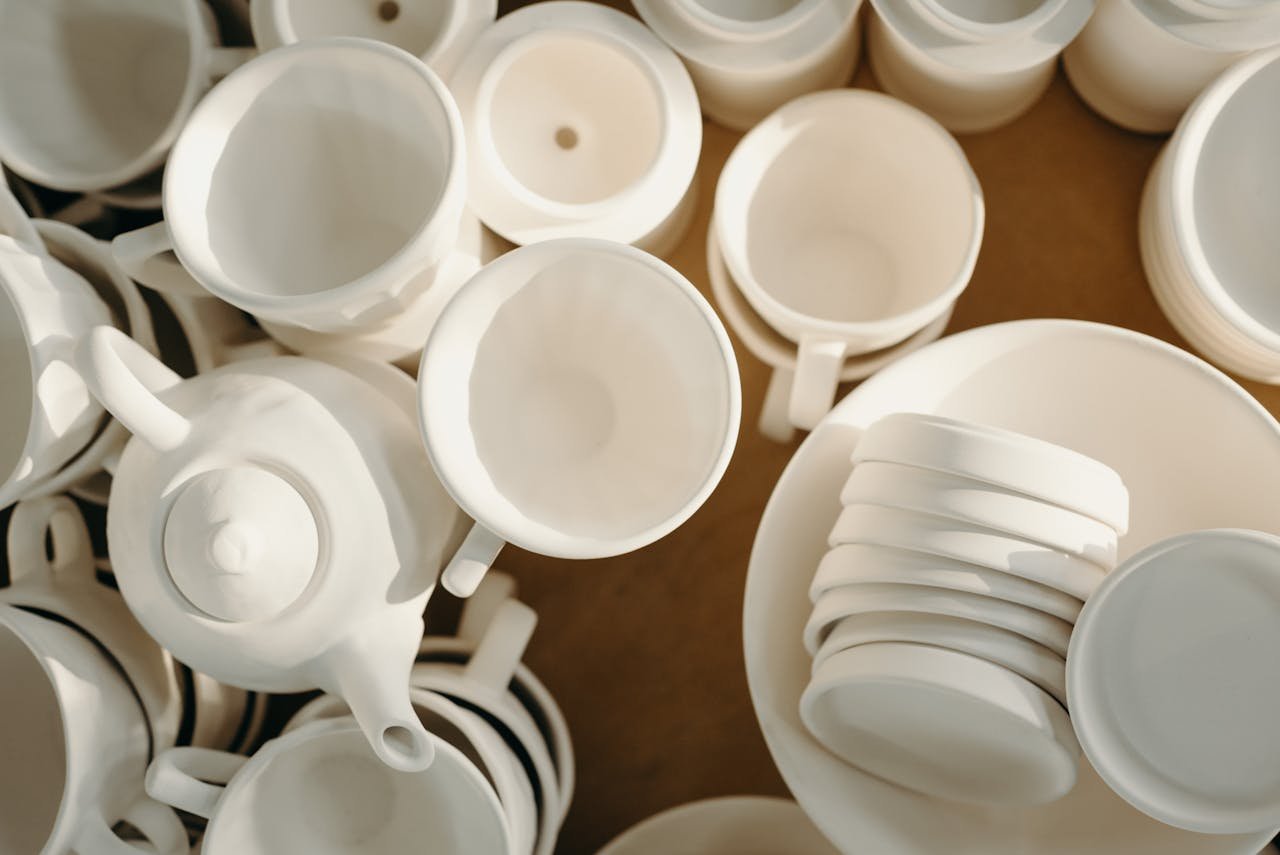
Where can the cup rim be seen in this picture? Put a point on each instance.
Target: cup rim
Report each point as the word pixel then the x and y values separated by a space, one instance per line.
pixel 742 170
pixel 737 29
pixel 186 227
pixel 286 34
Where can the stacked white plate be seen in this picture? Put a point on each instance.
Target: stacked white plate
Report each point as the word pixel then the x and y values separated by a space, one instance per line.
pixel 943 610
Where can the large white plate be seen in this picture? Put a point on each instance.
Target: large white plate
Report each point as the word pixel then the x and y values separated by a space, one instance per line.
pixel 1195 450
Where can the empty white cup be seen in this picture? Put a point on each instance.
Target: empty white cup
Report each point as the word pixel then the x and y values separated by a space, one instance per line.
pixel 580 399
pixel 749 58
pixel 94 92
pixel 437 31
pixel 320 790
pixel 849 220
pixel 1210 217
pixel 75 747
pixel 335 236
pixel 1140 63
pixel 972 66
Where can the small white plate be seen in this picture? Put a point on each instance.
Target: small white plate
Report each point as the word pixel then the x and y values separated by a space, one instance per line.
pixel 733 825
pixel 1019 654
pixel 942 723
pixel 872 524
pixel 860 599
pixel 996 456
pixel 911 488
pixel 1172 678
pixel 866 562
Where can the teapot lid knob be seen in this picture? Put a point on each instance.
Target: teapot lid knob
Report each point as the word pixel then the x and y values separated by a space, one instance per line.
pixel 241 543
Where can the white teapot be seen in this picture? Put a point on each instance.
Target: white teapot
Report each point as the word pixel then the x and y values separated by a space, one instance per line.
pixel 275 523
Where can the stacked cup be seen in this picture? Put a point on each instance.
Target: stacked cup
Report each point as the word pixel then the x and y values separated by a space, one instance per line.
pixel 943 610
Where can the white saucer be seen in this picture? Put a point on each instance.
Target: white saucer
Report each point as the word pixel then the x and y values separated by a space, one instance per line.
pixel 733 825
pixel 1155 414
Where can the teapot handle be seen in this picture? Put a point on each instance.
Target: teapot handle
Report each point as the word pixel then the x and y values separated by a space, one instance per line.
pixel 58 518
pixel 192 779
pixel 127 379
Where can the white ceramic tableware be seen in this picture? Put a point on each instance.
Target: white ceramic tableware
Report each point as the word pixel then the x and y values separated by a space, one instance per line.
pixel 980 503
pixel 943 723
pixel 855 563
pixel 1018 653
pixel 15 223
pixel 1004 458
pixel 94 92
pixel 75 746
pixel 49 417
pixel 849 221
pixel 1140 63
pixel 749 58
pixel 859 598
pixel 18 205
pixel 880 526
pixel 215 333
pixel 1051 380
pixel 580 399
pixel 477 741
pixel 776 350
pixel 1170 682
pixel 729 825
pixel 319 790
pixel 972 66
pixel 335 237
pixel 1209 214
pixel 438 32
pixel 270 562
pixel 580 123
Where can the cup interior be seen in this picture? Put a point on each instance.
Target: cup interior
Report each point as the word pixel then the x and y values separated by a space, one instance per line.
pixel 309 168
pixel 849 208
pixel 32 740
pixel 88 87
pixel 1235 196
pixel 580 393
pixel 414 26
pixel 574 117
pixel 331 794
pixel 990 12
pixel 16 378
pixel 748 11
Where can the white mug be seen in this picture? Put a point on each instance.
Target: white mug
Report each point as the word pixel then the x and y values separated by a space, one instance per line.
pixel 339 236
pixel 320 790
pixel 75 748
pixel 94 92
pixel 1140 63
pixel 849 221
pixel 578 398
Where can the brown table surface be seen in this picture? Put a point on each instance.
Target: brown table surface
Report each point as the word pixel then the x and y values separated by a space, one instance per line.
pixel 644 651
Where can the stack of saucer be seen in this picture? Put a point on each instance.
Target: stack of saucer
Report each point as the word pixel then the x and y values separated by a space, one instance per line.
pixel 943 610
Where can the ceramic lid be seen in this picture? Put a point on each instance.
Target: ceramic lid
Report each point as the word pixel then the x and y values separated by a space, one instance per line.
pixel 1220 25
pixel 1171 681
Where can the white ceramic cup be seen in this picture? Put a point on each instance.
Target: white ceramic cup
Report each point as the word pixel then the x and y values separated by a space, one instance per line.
pixel 580 399
pixel 50 416
pixel 320 790
pixel 437 31
pixel 850 221
pixel 332 237
pixel 75 746
pixel 94 92
pixel 1140 63
pixel 1209 216
pixel 580 123
pixel 972 66
pixel 749 58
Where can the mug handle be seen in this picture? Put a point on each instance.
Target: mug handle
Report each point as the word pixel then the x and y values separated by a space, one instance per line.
pixel 479 611
pixel 127 379
pixel 145 256
pixel 58 519
pixel 15 223
pixel 813 393
pixel 472 560
pixel 158 824
pixel 192 779
pixel 775 416
pixel 494 663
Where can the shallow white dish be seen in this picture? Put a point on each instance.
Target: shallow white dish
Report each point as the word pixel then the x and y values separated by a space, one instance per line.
pixel 1021 655
pixel 943 723
pixel 732 825
pixel 1049 379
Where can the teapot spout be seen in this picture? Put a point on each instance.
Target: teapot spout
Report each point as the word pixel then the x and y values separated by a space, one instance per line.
pixel 370 671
